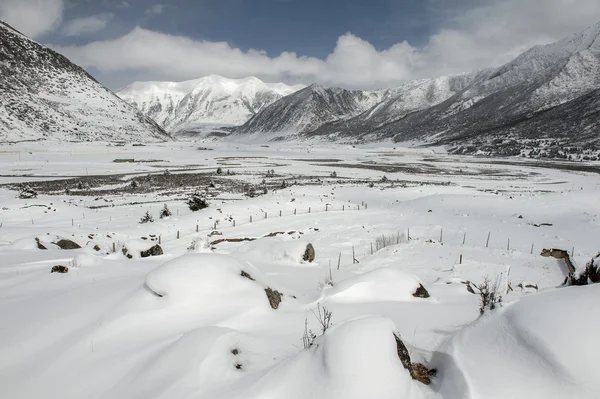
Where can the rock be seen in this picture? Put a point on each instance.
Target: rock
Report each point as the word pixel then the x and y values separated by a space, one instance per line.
pixel 155 250
pixel 39 244
pixel 403 354
pixel 97 247
pixel 67 244
pixel 246 275
pixel 421 292
pixel 59 269
pixel 274 297
pixel 309 254
pixel 417 371
pixel 421 373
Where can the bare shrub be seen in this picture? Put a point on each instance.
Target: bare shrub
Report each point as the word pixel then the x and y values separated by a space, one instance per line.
pixel 309 337
pixel 198 244
pixel 489 295
pixel 386 240
pixel 323 316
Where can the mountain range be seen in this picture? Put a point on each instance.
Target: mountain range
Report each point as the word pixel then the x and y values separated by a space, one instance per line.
pixel 544 103
pixel 45 96
pixel 205 103
pixel 547 97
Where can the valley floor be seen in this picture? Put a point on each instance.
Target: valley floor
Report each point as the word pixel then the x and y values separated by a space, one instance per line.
pixel 189 324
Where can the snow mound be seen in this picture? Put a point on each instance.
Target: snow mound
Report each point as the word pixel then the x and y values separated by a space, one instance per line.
pixel 354 359
pixel 275 250
pixel 85 260
pixel 209 278
pixel 199 361
pixel 384 284
pixel 543 346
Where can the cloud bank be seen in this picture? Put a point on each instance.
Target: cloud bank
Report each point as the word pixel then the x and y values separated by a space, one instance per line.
pixel 483 36
pixel 33 18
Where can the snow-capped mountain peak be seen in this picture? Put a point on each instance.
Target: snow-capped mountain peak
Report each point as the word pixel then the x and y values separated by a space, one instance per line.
pixel 210 100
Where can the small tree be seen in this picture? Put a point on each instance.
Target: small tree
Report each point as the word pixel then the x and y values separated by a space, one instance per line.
pixel 384 179
pixel 333 174
pixel 219 170
pixel 147 218
pixel 165 212
pixel 196 202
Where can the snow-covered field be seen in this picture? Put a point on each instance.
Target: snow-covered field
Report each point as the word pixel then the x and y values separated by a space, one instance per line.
pixel 200 322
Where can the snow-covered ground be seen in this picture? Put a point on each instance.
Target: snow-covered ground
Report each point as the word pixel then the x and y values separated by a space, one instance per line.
pixel 199 323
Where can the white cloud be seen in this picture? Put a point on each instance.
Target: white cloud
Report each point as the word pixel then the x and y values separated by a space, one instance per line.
pixel 87 25
pixel 32 17
pixel 156 9
pixel 482 37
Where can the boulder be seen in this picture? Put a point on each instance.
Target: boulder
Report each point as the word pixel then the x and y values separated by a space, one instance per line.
pixel 154 250
pixel 274 297
pixel 67 244
pixel 309 254
pixel 421 292
pixel 59 269
pixel 39 244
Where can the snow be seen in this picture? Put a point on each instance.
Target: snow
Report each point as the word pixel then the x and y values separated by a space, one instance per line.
pixel 189 324
pixel 383 284
pixel 212 101
pixel 354 359
pixel 542 345
pixel 46 97
pixel 275 250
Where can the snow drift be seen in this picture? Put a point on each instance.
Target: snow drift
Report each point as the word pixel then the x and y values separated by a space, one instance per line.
pixel 543 346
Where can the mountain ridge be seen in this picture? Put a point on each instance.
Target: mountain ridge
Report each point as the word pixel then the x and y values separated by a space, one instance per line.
pixel 46 96
pixel 504 105
pixel 210 100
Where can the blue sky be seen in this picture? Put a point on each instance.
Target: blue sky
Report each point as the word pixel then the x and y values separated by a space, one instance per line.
pixel 309 27
pixel 351 43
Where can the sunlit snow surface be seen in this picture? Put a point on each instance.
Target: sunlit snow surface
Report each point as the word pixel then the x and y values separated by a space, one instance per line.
pixel 188 324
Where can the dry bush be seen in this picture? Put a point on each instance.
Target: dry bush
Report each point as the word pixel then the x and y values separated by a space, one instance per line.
pixel 323 316
pixel 489 295
pixel 383 240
